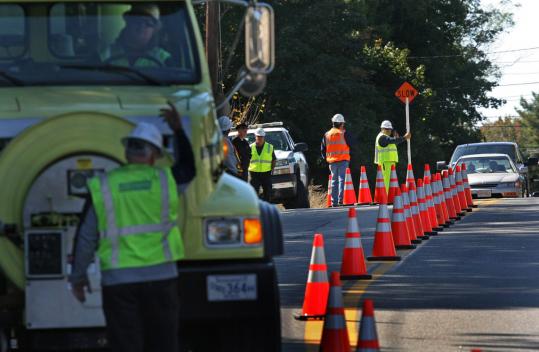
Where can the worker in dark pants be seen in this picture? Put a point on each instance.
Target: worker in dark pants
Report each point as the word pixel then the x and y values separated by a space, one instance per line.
pixel 262 164
pixel 131 222
pixel 243 150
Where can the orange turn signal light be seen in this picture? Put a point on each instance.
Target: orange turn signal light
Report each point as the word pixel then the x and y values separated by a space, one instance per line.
pixel 225 149
pixel 252 233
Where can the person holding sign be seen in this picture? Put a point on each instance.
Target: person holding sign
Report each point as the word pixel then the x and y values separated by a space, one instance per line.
pixel 385 149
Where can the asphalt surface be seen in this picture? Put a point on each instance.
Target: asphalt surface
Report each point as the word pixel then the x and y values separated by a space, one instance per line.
pixel 476 285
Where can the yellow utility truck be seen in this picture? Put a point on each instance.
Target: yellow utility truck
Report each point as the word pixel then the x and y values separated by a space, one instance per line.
pixel 74 79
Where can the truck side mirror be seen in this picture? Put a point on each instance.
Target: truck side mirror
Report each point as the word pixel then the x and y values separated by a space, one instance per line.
pixel 301 147
pixel 259 39
pixel 441 165
pixel 533 161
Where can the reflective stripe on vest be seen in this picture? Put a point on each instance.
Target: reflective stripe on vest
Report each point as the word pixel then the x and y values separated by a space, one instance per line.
pixel 130 244
pixel 261 162
pixel 387 153
pixel 336 147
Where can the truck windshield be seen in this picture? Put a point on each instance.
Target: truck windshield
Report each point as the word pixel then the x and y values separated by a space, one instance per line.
pixel 275 138
pixel 487 148
pixel 97 43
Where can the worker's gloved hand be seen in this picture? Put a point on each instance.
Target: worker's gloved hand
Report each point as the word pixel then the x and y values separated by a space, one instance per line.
pixel 79 288
pixel 171 116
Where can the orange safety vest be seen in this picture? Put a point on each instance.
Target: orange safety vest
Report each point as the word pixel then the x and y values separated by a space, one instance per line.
pixel 336 147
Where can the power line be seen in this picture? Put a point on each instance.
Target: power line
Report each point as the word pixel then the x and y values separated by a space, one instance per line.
pixel 460 55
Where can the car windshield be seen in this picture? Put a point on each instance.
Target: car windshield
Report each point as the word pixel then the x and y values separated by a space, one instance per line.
pixel 487 165
pixel 275 138
pixel 96 43
pixel 486 148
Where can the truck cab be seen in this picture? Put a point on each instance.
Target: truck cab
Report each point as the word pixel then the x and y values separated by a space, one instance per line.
pixel 72 84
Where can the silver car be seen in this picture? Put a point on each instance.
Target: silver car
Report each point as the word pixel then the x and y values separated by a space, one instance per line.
pixel 493 175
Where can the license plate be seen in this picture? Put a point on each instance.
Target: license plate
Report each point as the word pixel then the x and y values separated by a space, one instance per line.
pixel 231 287
pixel 283 185
pixel 484 193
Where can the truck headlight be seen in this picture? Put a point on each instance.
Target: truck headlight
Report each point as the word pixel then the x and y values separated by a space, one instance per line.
pixel 223 231
pixel 281 163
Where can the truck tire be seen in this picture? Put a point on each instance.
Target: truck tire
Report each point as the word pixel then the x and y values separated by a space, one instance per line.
pixel 301 200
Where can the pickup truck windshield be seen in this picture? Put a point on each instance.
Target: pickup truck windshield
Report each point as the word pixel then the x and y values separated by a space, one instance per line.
pixel 275 138
pixel 97 43
pixel 508 149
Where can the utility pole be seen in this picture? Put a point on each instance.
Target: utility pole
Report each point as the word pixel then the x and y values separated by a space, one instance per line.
pixel 212 43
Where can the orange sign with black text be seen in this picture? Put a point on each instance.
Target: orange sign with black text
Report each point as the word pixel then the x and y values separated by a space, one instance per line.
pixel 406 91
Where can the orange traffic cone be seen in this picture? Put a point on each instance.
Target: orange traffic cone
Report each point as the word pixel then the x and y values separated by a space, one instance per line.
pixel 460 189
pixel 443 201
pixel 408 214
pixel 383 247
pixel 317 290
pixel 423 210
pixel 410 174
pixel 367 340
pixel 353 266
pixel 439 212
pixel 364 190
pixel 449 197
pixel 380 195
pixel 398 224
pixel 454 192
pixel 414 208
pixel 467 187
pixel 328 203
pixel 349 196
pixel 429 198
pixel 393 185
pixel 335 334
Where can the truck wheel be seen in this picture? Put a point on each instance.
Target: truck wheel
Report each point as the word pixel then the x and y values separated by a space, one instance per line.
pixel 302 197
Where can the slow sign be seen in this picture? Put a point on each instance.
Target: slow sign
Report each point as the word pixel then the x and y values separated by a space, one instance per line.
pixel 406 91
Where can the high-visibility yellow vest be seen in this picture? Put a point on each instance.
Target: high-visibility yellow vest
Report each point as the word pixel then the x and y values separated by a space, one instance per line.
pixel 261 162
pixel 336 147
pixel 137 211
pixel 385 154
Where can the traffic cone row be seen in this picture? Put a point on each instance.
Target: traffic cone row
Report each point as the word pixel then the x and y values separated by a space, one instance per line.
pixel 467 187
pixel 410 226
pixel 399 228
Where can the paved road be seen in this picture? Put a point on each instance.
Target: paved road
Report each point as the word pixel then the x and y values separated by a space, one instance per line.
pixel 475 285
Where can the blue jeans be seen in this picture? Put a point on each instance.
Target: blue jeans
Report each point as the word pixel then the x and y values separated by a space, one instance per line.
pixel 338 173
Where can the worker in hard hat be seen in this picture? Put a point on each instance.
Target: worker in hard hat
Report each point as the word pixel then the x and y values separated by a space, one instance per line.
pixel 243 150
pixel 335 149
pixel 385 149
pixel 231 161
pixel 137 44
pixel 131 222
pixel 262 164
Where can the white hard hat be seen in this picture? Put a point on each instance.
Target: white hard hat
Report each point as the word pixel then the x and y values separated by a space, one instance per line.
pixel 337 118
pixel 260 132
pixel 387 125
pixel 224 123
pixel 147 132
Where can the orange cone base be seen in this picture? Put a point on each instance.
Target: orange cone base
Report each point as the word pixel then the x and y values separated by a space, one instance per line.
pixel 405 246
pixel 424 237
pixel 455 218
pixel 384 259
pixel 431 233
pixel 309 317
pixel 474 205
pixel 437 229
pixel 356 277
pixel 416 241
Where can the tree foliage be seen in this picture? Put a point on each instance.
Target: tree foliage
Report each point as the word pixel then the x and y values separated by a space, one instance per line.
pixel 349 57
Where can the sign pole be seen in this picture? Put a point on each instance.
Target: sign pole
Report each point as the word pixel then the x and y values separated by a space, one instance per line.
pixel 408 130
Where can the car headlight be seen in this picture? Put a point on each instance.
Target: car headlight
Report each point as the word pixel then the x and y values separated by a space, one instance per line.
pixel 223 231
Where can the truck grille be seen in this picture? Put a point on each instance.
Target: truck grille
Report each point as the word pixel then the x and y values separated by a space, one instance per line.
pixel 485 185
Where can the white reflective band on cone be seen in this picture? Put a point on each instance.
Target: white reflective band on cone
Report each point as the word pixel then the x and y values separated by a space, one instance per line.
pixel 317 276
pixel 318 256
pixel 352 226
pixel 398 217
pixel 334 322
pixel 383 227
pixel 352 242
pixel 368 329
pixel 335 297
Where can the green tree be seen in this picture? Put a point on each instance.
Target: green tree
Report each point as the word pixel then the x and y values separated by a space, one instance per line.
pixel 529 113
pixel 506 129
